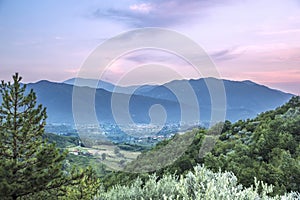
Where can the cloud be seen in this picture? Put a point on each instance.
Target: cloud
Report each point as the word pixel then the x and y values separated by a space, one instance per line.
pixel 264 53
pixel 150 56
pixel 158 13
pixel 58 38
pixel 72 70
pixel 273 77
pixel 227 54
pixel 280 32
pixel 143 8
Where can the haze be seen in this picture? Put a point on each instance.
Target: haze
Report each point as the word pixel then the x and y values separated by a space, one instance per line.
pixel 247 40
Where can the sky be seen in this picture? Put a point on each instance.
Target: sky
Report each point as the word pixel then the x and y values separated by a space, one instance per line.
pixel 246 40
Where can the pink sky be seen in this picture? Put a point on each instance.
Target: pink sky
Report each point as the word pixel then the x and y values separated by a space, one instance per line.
pixel 247 40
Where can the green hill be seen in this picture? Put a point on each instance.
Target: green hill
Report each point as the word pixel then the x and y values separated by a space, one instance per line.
pixel 266 147
pixel 61 141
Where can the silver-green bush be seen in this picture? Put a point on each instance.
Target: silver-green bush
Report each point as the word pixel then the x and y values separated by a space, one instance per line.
pixel 202 183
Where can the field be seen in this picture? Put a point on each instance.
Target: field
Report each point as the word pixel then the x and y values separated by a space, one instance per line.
pixel 111 156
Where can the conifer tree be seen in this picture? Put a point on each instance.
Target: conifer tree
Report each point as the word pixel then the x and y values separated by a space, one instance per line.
pixel 28 164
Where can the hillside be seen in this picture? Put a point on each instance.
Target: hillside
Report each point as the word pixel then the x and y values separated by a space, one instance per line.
pixel 57 97
pixel 266 147
pixel 103 158
pixel 61 141
pixel 262 154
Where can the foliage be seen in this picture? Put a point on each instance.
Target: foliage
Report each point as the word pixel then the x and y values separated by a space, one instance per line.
pixel 189 158
pixel 85 162
pixel 122 178
pixel 199 184
pixel 79 161
pixel 61 141
pixel 85 188
pixel 31 168
pixel 133 147
pixel 163 154
pixel 180 165
pixel 267 147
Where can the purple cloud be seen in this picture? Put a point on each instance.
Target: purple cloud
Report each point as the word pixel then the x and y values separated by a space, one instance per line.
pixel 227 54
pixel 157 13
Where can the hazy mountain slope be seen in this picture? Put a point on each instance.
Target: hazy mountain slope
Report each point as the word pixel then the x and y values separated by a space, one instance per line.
pixel 99 84
pixel 57 97
pixel 93 83
pixel 244 100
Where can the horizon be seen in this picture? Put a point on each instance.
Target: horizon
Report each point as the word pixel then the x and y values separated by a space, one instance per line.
pixel 257 41
pixel 63 81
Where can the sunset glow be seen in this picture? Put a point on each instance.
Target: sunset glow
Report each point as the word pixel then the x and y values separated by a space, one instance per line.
pixel 247 40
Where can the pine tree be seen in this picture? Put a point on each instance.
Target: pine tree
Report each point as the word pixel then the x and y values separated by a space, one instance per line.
pixel 28 164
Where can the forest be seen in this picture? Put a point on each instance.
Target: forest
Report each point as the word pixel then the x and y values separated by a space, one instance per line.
pixel 256 158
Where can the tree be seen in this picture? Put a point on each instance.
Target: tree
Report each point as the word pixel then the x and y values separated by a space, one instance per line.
pixel 28 164
pixel 103 156
pixel 116 150
pixel 266 147
pixel 86 188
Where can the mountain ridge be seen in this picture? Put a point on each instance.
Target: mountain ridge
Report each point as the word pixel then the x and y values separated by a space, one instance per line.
pixel 244 99
pixel 71 81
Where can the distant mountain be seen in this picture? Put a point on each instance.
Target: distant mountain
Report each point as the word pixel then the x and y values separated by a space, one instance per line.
pixel 57 97
pixel 99 84
pixel 245 99
pixel 92 83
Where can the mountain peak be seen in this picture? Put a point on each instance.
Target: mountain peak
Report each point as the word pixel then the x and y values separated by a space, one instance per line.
pixel 248 82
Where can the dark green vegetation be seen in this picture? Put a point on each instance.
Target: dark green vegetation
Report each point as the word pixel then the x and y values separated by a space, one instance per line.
pixel 61 141
pixel 165 154
pixel 266 147
pixel 31 168
pixel 150 160
pixel 134 147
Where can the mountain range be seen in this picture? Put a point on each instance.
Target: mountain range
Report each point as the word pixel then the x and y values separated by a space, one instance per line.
pixel 244 99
